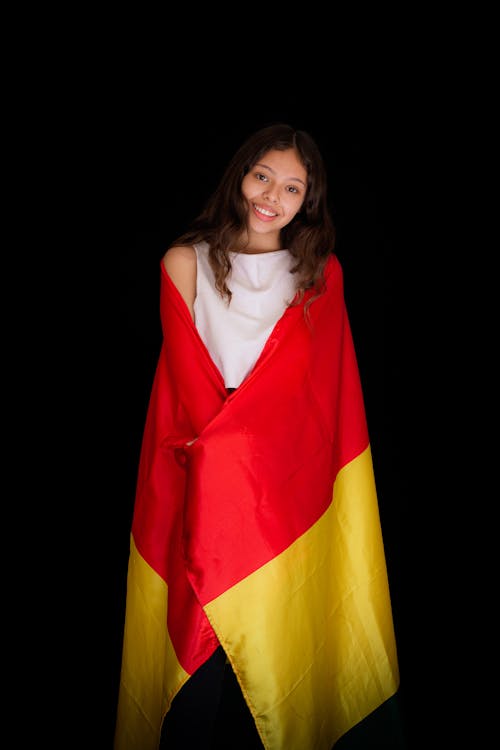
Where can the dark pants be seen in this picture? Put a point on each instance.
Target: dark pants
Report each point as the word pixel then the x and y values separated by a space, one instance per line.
pixel 210 713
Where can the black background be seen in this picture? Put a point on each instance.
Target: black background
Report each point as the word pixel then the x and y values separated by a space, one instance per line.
pixel 117 124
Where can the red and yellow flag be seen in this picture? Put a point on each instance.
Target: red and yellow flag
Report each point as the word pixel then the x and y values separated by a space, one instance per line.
pixel 262 535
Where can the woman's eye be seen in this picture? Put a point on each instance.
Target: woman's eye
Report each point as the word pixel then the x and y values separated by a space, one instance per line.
pixel 260 176
pixel 292 189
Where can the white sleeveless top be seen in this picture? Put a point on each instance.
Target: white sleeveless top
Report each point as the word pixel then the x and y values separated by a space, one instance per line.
pixel 234 334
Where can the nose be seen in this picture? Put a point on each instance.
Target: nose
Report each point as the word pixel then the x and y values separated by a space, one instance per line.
pixel 271 195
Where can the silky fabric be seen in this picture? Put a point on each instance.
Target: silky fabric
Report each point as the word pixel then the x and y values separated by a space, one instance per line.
pixel 210 712
pixel 256 528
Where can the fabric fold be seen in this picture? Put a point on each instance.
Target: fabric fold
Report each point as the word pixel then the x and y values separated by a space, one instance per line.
pixel 263 534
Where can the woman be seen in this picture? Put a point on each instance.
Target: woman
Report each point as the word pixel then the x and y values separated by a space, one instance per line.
pixel 257 569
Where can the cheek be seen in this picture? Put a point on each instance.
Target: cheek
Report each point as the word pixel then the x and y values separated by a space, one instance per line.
pixel 245 188
pixel 293 206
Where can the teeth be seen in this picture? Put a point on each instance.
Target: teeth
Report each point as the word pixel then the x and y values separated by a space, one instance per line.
pixel 264 211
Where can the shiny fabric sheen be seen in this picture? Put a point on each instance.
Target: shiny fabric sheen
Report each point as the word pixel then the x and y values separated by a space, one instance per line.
pixel 219 513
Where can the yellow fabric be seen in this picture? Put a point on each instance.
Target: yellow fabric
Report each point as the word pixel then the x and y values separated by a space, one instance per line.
pixel 151 673
pixel 323 656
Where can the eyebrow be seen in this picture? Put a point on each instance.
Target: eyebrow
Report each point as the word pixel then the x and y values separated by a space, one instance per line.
pixel 293 179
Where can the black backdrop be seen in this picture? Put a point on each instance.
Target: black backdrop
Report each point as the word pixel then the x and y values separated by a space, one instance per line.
pixel 116 137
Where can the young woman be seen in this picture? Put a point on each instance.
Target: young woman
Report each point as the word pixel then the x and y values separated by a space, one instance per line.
pixel 258 610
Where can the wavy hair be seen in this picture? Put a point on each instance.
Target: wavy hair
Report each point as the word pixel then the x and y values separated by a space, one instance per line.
pixel 309 237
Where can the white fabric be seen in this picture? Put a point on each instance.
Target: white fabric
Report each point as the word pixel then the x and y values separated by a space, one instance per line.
pixel 262 287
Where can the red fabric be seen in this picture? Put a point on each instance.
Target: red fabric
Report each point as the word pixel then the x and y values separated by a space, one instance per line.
pixel 262 467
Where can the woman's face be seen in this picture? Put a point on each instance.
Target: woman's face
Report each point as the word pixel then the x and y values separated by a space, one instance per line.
pixel 275 189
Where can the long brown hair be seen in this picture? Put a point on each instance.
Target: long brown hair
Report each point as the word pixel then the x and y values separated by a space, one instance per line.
pixel 309 237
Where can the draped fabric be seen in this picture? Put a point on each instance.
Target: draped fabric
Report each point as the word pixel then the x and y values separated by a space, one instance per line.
pixel 262 535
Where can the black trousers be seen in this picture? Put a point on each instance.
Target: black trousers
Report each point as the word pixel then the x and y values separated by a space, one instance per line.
pixel 210 712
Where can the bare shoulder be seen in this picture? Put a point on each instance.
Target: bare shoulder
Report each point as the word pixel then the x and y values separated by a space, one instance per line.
pixel 179 257
pixel 180 264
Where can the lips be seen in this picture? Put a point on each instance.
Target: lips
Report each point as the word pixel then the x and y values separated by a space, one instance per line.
pixel 265 214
